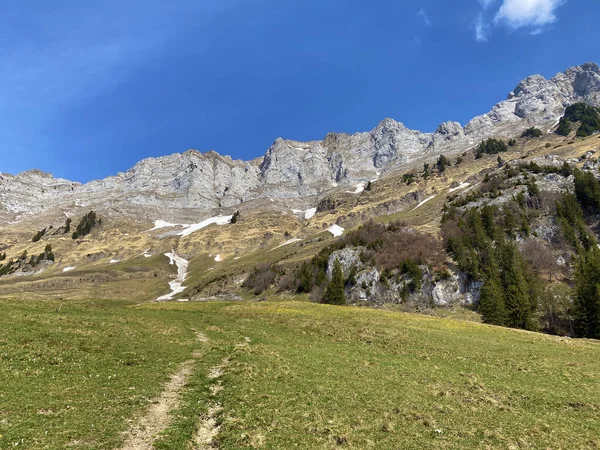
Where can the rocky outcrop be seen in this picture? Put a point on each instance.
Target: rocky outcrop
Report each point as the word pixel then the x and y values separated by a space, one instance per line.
pixel 367 284
pixel 195 185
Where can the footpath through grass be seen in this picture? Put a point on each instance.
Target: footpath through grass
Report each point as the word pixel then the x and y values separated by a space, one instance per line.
pixel 298 375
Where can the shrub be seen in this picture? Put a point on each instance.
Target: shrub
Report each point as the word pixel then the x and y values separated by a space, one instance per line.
pixel 442 163
pixel 262 278
pixel 426 171
pixel 38 235
pixel 564 127
pixel 408 178
pixel 531 133
pixel 327 204
pixel 490 147
pixel 235 217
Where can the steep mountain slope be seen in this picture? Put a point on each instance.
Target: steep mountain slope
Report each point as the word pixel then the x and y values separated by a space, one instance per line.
pixel 189 185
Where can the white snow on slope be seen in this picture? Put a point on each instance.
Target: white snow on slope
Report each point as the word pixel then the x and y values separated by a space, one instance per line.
pixel 158 224
pixel 460 186
pixel 146 253
pixel 359 188
pixel 219 220
pixel 218 258
pixel 191 228
pixel 114 261
pixel 336 230
pixel 424 201
pixel 308 214
pixel 557 122
pixel 176 284
pixel 288 242
pixel 68 269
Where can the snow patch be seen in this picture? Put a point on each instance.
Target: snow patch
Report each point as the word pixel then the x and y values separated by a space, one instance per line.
pixel 460 186
pixel 359 188
pixel 69 268
pixel 556 123
pixel 218 220
pixel 336 230
pixel 218 258
pixel 334 184
pixel 158 224
pixel 288 242
pixel 308 214
pixel 146 253
pixel 176 284
pixel 114 261
pixel 424 201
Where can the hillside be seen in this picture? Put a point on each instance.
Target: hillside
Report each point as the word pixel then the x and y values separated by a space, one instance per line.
pixel 281 374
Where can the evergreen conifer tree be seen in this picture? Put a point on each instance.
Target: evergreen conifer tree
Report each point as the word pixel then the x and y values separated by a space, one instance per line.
pixel 587 294
pixel 491 300
pixel 335 294
pixel 516 288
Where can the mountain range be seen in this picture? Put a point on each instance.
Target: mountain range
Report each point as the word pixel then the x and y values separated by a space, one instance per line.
pixel 194 185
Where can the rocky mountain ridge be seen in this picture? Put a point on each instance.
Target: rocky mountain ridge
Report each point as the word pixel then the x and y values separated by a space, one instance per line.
pixel 194 184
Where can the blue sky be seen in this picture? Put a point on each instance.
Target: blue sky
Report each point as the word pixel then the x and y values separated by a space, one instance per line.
pixel 87 89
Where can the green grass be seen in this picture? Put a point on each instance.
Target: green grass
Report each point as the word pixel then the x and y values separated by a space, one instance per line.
pixel 300 375
pixel 72 374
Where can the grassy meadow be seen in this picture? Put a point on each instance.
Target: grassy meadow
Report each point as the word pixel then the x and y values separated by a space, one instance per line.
pixel 289 375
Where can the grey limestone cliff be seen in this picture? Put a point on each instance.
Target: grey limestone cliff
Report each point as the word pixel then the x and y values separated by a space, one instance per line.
pixel 194 184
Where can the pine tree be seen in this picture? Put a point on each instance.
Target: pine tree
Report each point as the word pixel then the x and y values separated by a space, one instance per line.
pixel 426 171
pixel 86 224
pixel 564 127
pixel 491 300
pixel 335 294
pixel 587 294
pixel 516 288
pixel 442 163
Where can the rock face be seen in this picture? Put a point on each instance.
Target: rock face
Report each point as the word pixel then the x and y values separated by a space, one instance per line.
pixel 196 184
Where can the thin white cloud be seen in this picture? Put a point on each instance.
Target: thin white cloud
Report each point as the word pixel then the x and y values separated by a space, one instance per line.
pixel 423 15
pixel 481 29
pixel 526 13
pixel 486 3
